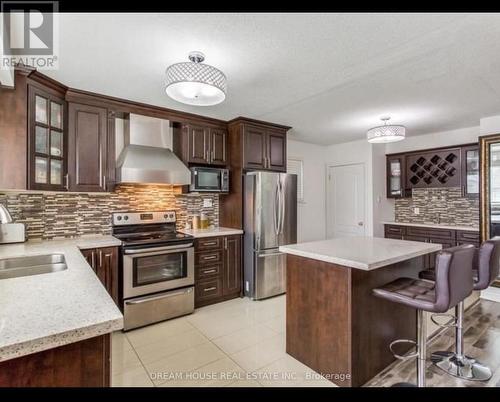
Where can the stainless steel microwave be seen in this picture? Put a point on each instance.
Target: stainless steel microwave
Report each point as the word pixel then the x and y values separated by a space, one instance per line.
pixel 212 180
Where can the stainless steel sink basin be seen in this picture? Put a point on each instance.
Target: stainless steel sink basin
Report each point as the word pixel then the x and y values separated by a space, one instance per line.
pixel 32 265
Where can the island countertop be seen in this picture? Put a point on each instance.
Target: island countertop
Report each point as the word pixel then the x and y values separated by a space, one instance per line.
pixel 365 253
pixel 45 311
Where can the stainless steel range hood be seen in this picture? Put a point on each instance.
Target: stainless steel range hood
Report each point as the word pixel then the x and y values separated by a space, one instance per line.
pixel 147 155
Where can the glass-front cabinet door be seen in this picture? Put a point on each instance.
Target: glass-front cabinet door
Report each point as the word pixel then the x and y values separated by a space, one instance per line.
pixel 395 177
pixel 47 140
pixel 470 171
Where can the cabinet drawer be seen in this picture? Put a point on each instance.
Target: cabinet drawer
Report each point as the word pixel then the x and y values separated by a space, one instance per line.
pixel 208 271
pixel 464 236
pixel 445 243
pixel 210 243
pixel 208 289
pixel 430 232
pixel 394 230
pixel 208 257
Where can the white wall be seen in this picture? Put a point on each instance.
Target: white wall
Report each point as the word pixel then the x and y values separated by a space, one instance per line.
pixel 435 140
pixel 311 220
pixel 489 125
pixel 312 214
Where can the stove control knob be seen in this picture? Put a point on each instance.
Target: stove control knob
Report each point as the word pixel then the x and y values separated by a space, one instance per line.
pixel 119 218
pixel 125 217
pixel 165 216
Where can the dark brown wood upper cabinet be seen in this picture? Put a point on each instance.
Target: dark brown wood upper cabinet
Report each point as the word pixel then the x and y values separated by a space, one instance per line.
pixel 264 148
pixel 470 171
pixel 254 147
pixel 88 144
pixel 198 144
pixel 201 145
pixel 218 147
pixel 47 140
pixel 276 150
pixel 396 178
pixel 434 168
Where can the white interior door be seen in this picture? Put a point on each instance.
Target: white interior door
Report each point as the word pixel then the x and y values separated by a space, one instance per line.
pixel 346 201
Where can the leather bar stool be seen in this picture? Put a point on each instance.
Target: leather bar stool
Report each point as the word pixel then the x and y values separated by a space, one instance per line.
pixel 485 271
pixel 452 285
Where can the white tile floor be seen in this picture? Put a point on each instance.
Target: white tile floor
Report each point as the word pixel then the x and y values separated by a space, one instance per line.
pixel 238 343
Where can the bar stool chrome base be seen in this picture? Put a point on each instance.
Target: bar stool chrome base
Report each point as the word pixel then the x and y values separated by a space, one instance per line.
pixel 465 367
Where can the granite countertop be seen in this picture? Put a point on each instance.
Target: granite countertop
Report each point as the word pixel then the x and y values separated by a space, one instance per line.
pixel 219 231
pixel 365 253
pixel 435 226
pixel 45 311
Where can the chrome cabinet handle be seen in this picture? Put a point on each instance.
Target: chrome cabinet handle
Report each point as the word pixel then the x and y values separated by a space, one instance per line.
pixel 210 243
pixel 210 257
pixel 100 258
pixel 93 260
pixel 104 181
pixel 225 243
pixel 209 289
pixel 66 181
pixel 210 271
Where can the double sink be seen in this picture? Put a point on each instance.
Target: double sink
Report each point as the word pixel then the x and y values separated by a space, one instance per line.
pixel 31 265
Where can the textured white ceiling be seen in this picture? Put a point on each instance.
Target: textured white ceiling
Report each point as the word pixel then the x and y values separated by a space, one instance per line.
pixel 330 76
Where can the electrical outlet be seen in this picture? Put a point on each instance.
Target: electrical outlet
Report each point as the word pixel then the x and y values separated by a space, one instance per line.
pixel 416 211
pixel 207 203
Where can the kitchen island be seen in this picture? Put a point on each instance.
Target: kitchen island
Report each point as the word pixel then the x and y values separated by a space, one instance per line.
pixel 334 324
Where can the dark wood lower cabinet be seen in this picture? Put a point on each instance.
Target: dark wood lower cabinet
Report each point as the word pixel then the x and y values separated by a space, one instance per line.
pixel 104 262
pixel 232 266
pixel 81 364
pixel 218 269
pixel 446 237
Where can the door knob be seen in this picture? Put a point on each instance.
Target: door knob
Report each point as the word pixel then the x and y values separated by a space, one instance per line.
pixel 360 223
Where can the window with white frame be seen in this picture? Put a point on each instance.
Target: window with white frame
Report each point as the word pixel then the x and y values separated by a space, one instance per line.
pixel 296 166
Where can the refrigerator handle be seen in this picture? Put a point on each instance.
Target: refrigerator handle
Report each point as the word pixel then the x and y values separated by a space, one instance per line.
pixel 276 210
pixel 282 208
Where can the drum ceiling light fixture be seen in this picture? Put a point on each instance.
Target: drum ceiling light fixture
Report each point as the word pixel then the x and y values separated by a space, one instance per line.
pixel 196 83
pixel 386 133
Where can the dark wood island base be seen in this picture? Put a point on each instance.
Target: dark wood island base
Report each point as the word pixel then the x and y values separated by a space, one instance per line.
pixel 81 364
pixel 334 324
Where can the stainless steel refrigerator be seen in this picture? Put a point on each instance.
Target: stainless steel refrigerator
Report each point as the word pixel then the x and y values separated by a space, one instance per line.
pixel 270 220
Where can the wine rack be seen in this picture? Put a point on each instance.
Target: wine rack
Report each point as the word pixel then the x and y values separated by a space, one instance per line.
pixel 434 169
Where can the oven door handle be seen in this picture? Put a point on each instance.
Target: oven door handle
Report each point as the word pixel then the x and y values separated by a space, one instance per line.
pixel 162 296
pixel 148 250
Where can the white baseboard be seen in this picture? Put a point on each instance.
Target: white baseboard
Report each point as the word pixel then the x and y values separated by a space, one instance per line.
pixel 491 293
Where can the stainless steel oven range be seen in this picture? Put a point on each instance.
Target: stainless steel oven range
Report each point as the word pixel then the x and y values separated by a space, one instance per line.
pixel 157 267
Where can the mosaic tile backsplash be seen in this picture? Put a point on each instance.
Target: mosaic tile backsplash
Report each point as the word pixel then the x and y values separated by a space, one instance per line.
pixel 444 206
pixel 60 215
